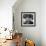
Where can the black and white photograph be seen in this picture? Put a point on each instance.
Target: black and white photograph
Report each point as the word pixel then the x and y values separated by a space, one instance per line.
pixel 28 19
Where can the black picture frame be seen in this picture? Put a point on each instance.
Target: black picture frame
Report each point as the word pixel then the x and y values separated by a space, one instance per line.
pixel 28 19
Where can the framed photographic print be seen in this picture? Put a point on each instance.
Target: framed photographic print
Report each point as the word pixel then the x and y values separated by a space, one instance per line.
pixel 28 19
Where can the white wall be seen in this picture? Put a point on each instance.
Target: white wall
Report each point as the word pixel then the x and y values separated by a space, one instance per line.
pixel 34 33
pixel 43 22
pixel 6 13
pixel 28 32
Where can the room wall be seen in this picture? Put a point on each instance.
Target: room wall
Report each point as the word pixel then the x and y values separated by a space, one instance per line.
pixel 43 22
pixel 6 16
pixel 32 33
pixel 6 13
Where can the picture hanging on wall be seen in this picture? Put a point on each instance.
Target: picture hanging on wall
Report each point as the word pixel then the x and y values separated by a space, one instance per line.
pixel 28 19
